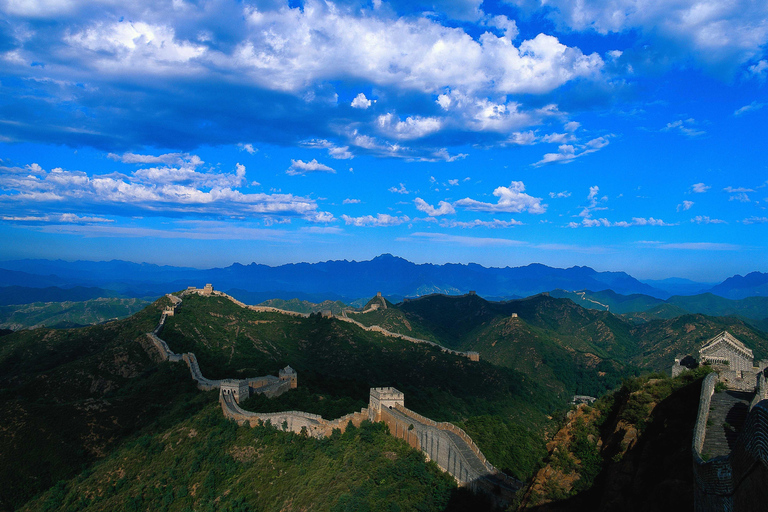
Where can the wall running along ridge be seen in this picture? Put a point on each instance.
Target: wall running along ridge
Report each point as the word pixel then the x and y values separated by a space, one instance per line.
pixel 446 444
pixel 736 482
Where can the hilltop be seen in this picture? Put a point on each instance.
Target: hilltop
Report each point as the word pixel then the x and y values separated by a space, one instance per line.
pixel 116 413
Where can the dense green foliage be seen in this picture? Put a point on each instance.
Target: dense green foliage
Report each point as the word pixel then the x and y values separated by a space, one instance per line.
pixel 52 314
pixel 341 361
pixel 304 306
pixel 302 399
pixel 68 397
pixel 207 463
pixel 520 447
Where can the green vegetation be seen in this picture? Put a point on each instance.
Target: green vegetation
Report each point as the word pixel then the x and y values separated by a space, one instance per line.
pixel 54 314
pixel 304 306
pixel 207 463
pixel 341 362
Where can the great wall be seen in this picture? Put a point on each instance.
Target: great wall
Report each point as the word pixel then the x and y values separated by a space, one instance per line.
pixel 444 443
pixel 730 437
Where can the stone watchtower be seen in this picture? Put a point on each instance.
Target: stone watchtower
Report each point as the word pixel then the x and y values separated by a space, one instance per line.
pixel 236 388
pixel 290 374
pixel 383 398
pixel 208 290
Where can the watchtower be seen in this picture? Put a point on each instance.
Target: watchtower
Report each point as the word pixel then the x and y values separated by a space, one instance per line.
pixel 290 374
pixel 383 398
pixel 236 388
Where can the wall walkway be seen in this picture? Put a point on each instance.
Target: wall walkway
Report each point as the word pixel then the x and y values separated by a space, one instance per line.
pixel 449 446
pixel 734 482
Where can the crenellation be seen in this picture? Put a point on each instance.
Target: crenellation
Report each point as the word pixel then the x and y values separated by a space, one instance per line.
pixel 449 446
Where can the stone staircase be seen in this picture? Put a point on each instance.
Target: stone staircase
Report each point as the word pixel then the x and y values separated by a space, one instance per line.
pixel 728 411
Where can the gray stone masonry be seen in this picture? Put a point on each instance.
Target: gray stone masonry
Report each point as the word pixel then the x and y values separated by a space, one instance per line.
pixel 449 446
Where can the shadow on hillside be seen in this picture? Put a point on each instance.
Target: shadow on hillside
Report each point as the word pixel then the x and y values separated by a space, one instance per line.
pixel 655 475
pixel 464 500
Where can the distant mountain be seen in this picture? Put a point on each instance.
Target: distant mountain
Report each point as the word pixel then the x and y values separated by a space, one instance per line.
pixel 678 286
pixel 391 275
pixel 28 295
pixel 739 287
pixel 643 307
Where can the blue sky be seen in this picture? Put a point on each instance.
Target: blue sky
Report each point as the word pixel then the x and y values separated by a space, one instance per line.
pixel 620 134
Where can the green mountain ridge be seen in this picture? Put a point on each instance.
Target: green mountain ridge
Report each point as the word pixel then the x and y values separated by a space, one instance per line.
pixel 93 409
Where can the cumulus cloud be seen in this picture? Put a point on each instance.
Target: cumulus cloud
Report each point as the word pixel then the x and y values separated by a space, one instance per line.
pixel 334 151
pixel 361 102
pixel 699 188
pixel 247 147
pixel 719 35
pixel 351 201
pixel 399 190
pixel 512 199
pixel 169 191
pixel 118 62
pixel 559 195
pixel 300 167
pixel 443 208
pixel 685 205
pixel 380 220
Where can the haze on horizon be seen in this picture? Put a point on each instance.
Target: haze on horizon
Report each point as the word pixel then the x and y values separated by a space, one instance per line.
pixel 624 135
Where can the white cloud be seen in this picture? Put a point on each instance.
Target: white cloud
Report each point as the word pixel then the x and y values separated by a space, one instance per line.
pixel 334 151
pixel 414 127
pixel 732 190
pixel 167 158
pixel 453 183
pixel 512 199
pixel 559 195
pixel 400 190
pixel 684 126
pixel 248 148
pixel 443 208
pixel 703 219
pixel 741 197
pixel 749 108
pixel 300 167
pixel 572 126
pixel 699 188
pixel 381 219
pixel 157 191
pixel 603 222
pixel 361 102
pixel 716 33
pixel 351 201
pixel 477 223
pixel 506 25
pixel 759 69
pixel 691 246
pixel 755 220
pixel 522 138
pixel 468 241
pixel 568 152
pixel 685 205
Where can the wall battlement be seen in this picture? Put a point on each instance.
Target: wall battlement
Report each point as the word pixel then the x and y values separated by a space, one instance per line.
pixel 735 482
pixel 449 446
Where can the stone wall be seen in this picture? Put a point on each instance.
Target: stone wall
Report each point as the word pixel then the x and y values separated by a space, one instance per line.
pixel 472 356
pixel 736 482
pixel 449 446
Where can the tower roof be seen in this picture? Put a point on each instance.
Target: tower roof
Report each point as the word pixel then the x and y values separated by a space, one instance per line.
pixel 726 337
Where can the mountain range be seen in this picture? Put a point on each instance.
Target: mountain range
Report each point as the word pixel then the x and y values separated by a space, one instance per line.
pixel 349 280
